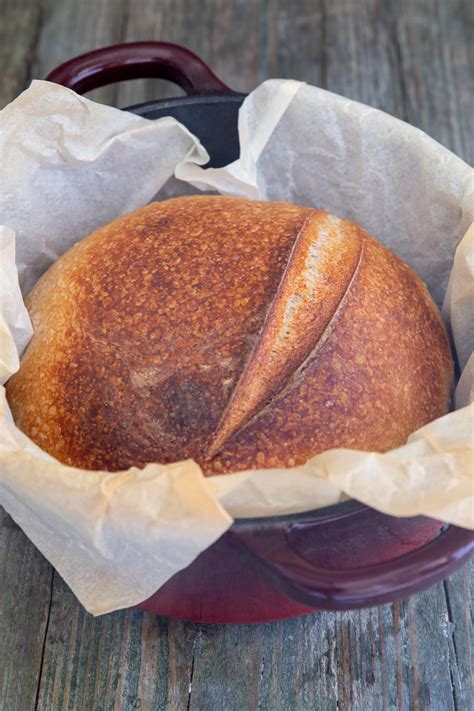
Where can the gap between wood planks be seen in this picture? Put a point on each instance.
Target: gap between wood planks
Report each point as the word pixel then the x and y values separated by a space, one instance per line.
pixel 191 673
pixel 451 620
pixel 43 647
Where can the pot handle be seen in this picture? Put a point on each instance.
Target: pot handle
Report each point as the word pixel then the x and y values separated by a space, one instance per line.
pixel 352 588
pixel 137 60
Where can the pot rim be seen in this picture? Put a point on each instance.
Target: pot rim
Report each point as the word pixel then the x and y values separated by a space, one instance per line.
pixel 193 100
pixel 325 514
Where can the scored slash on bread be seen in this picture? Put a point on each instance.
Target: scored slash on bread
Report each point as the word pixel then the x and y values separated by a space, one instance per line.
pixel 320 267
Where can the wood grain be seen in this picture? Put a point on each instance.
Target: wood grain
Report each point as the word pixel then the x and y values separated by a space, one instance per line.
pixel 396 657
pixel 438 66
pixel 412 58
pixel 18 18
pixel 72 28
pixel 25 600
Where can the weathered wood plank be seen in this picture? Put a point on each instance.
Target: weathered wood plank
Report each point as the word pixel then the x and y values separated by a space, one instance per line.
pixel 126 660
pixel 72 28
pixel 437 60
pixel 395 658
pixel 359 56
pixel 25 584
pixel 215 30
pixel 459 630
pixel 411 59
pixel 18 19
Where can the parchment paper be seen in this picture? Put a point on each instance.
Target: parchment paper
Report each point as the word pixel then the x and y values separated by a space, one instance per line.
pixel 68 165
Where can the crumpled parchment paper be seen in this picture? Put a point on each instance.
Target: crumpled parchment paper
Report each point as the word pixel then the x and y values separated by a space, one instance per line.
pixel 68 165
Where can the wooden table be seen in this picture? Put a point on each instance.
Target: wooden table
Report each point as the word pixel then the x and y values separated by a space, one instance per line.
pixel 411 59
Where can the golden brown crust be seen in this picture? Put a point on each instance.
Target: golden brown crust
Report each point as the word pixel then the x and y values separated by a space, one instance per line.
pixel 239 333
pixel 319 269
pixel 380 371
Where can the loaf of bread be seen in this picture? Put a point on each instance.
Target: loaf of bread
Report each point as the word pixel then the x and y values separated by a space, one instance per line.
pixel 240 334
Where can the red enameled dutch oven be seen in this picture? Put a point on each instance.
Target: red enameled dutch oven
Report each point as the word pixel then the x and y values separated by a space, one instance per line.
pixel 343 557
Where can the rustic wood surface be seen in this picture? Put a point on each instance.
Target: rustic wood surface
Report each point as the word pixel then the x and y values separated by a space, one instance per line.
pixel 412 58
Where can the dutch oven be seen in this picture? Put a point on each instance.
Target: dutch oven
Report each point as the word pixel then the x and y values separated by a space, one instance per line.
pixel 343 557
